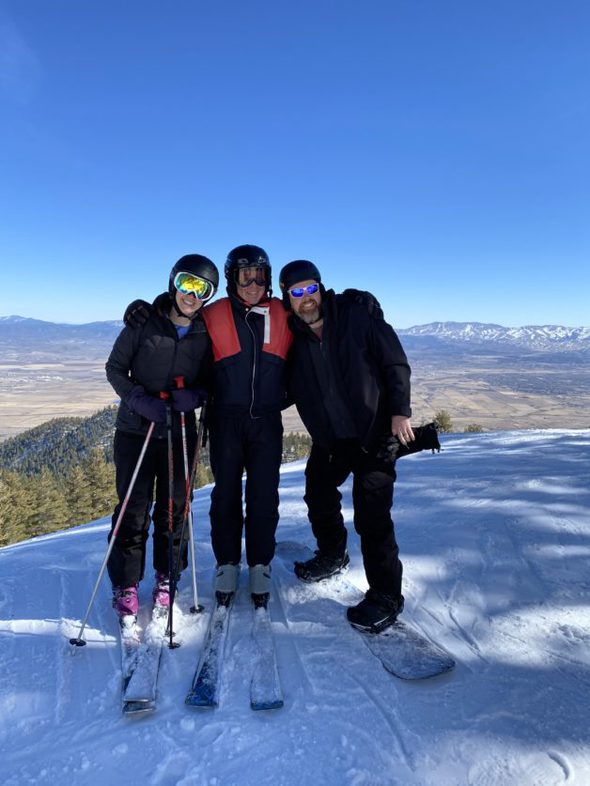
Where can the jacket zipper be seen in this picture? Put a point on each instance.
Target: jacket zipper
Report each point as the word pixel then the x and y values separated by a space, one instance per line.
pixel 254 365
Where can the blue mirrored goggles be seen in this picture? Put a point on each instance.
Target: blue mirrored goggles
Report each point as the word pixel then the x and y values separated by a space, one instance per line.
pixel 194 285
pixel 310 289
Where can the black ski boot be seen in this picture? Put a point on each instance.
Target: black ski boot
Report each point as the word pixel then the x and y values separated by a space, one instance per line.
pixel 375 612
pixel 320 567
pixel 223 598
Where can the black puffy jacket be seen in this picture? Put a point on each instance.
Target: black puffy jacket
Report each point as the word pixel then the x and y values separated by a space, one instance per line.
pixel 367 367
pixel 152 356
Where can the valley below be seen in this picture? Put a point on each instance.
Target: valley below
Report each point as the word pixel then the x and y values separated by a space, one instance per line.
pixel 49 371
pixel 493 396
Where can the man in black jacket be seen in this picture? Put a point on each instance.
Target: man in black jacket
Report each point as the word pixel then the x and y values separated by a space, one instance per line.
pixel 350 380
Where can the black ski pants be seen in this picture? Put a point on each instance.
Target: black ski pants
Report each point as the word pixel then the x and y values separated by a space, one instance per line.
pixel 372 497
pixel 126 563
pixel 238 443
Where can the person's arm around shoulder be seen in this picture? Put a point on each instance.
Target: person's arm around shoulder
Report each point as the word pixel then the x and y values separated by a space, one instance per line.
pixel 139 311
pixel 119 361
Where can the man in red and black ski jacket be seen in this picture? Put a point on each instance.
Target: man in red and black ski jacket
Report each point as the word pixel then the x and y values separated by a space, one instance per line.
pixel 250 339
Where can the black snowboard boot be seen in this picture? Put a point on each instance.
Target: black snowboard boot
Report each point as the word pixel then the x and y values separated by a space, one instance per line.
pixel 321 567
pixel 375 612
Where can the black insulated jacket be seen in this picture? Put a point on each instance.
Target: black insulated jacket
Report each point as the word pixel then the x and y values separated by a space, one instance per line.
pixel 152 356
pixel 349 384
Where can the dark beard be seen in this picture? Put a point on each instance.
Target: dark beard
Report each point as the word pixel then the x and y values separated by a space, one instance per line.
pixel 311 317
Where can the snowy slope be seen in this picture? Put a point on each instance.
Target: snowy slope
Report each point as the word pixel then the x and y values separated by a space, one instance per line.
pixel 495 536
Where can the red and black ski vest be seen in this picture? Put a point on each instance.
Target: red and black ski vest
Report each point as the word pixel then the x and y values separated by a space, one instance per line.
pixel 250 346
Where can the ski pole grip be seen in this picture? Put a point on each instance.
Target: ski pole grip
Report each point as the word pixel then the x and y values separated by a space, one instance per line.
pixel 179 382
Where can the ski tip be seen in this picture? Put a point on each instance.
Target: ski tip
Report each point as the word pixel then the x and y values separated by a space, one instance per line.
pixel 423 674
pixel 132 708
pixel 273 704
pixel 194 700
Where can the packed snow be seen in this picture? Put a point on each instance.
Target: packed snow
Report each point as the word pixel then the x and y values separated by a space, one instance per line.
pixel 495 537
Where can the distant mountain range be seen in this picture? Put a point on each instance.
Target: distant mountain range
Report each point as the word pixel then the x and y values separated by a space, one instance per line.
pixel 33 340
pixel 531 337
pixel 25 327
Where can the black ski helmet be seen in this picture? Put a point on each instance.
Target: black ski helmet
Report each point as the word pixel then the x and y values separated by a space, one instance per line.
pixel 293 273
pixel 246 256
pixel 196 265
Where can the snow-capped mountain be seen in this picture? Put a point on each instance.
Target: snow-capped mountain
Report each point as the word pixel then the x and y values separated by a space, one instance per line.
pixel 535 337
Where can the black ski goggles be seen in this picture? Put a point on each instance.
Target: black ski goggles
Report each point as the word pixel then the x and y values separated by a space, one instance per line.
pixel 244 276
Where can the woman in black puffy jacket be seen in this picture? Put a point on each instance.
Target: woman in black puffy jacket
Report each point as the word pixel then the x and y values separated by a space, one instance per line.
pixel 145 362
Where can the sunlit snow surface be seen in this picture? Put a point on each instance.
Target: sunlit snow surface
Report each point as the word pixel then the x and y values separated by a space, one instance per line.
pixel 495 537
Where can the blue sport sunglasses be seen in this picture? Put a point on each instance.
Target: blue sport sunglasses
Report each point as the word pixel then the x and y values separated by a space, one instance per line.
pixel 311 289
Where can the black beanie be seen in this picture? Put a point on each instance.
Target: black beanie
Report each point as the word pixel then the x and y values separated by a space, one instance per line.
pixel 299 270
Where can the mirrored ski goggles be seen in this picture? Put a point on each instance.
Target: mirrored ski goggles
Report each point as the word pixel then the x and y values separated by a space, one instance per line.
pixel 194 285
pixel 310 289
pixel 250 275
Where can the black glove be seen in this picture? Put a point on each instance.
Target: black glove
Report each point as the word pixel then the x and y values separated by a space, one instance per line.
pixel 426 438
pixel 147 406
pixel 137 313
pixel 365 299
pixel 185 399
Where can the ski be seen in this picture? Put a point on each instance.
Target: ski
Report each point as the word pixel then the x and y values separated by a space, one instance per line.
pixel 141 663
pixel 204 690
pixel 402 651
pixel 130 643
pixel 265 687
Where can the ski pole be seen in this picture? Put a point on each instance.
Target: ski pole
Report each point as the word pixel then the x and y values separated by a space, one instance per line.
pixel 187 503
pixel 79 641
pixel 187 519
pixel 170 631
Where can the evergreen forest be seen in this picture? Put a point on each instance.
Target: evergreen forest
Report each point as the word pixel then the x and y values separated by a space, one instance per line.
pixel 61 474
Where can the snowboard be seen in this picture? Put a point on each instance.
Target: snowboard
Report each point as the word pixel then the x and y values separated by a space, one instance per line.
pixel 401 649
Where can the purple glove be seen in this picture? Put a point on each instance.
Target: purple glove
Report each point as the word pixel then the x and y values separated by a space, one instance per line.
pixel 185 399
pixel 145 405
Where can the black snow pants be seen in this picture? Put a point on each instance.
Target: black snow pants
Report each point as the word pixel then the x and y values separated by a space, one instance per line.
pixel 372 497
pixel 127 561
pixel 238 443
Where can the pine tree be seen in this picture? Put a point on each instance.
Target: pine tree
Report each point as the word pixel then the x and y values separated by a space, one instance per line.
pixel 13 507
pixel 203 475
pixel 100 477
pixel 79 496
pixel 49 511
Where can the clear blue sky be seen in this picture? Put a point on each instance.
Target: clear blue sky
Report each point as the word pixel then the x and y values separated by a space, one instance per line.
pixel 435 152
